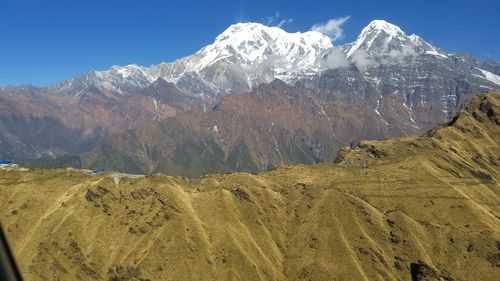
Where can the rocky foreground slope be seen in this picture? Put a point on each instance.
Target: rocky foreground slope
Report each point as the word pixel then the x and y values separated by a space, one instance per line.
pixel 422 208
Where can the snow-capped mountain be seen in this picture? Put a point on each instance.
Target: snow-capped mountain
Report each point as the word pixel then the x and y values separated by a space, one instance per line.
pixel 254 53
pixel 248 54
pixel 243 56
pixel 381 38
pixel 402 85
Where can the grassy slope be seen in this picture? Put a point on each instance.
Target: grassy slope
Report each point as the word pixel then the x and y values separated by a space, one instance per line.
pixel 386 205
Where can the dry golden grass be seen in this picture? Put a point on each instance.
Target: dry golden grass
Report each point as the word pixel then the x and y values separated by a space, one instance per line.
pixel 427 205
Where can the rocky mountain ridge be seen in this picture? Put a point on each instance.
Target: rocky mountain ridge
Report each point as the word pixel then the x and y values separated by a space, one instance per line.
pixel 248 54
pixel 402 84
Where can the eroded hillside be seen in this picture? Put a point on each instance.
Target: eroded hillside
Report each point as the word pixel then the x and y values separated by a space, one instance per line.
pixel 422 208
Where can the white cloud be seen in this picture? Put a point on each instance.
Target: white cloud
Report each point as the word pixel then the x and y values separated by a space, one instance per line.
pixel 332 28
pixel 361 59
pixel 276 20
pixel 272 18
pixel 336 59
pixel 284 21
pixel 406 51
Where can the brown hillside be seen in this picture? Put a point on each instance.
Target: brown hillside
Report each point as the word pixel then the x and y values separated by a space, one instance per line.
pixel 424 208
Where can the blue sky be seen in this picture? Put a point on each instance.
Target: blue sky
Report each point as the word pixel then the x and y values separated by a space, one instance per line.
pixel 43 42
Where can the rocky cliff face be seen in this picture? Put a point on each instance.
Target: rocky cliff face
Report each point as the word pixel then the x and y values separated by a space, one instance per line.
pixel 279 124
pixel 37 124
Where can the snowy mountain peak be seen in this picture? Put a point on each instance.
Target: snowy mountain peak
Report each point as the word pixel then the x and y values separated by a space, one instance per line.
pixel 248 54
pixel 126 71
pixel 242 56
pixel 381 39
pixel 254 53
pixel 241 30
pixel 255 43
pixel 254 28
pixel 383 25
pixel 377 35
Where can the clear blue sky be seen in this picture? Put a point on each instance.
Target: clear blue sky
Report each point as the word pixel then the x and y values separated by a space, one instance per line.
pixel 43 42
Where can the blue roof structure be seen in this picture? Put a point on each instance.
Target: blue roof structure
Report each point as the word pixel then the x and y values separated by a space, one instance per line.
pixel 5 162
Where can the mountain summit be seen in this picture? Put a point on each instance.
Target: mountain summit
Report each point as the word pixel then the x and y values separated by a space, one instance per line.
pixel 257 53
pixel 243 56
pixel 383 39
pixel 248 54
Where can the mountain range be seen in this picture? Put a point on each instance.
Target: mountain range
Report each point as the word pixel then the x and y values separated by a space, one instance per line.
pixel 257 98
pixel 420 208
